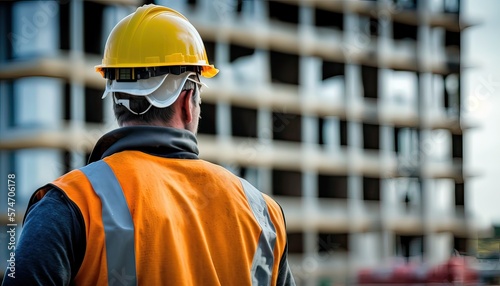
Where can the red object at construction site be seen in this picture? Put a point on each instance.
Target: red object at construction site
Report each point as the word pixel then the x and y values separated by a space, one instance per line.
pixel 454 270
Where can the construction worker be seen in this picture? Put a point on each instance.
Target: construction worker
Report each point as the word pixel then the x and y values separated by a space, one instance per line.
pixel 146 210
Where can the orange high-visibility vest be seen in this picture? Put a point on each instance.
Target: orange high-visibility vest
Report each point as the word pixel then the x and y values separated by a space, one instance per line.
pixel 151 220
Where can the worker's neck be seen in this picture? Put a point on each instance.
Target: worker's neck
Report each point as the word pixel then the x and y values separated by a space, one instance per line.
pixel 172 123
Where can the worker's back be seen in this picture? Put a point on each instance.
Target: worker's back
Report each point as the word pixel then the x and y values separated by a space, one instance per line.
pixel 194 223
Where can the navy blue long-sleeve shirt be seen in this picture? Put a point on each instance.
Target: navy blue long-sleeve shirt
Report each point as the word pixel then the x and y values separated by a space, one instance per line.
pixel 54 261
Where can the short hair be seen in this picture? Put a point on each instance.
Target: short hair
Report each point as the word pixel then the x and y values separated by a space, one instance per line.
pixel 140 103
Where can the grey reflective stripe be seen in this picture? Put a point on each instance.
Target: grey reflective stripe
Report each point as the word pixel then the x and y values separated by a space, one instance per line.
pixel 118 224
pixel 263 260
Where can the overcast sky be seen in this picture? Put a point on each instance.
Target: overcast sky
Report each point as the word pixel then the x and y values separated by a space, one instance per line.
pixel 482 89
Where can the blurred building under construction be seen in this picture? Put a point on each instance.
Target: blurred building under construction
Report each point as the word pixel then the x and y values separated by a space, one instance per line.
pixel 347 112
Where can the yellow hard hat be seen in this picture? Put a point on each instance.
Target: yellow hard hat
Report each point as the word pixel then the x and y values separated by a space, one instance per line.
pixel 155 36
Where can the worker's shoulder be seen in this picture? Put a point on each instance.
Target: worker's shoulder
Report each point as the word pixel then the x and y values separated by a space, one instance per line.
pixel 73 176
pixel 273 205
pixel 216 168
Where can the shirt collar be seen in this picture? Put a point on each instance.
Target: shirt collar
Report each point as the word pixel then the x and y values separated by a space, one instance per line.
pixel 161 141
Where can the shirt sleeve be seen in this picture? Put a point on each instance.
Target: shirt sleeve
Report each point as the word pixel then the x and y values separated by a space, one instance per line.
pixel 285 277
pixel 52 244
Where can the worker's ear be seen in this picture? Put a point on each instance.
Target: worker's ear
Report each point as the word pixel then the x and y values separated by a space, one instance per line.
pixel 187 105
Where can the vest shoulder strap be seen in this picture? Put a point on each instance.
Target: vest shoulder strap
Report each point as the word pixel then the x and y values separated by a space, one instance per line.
pixel 263 260
pixel 118 224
